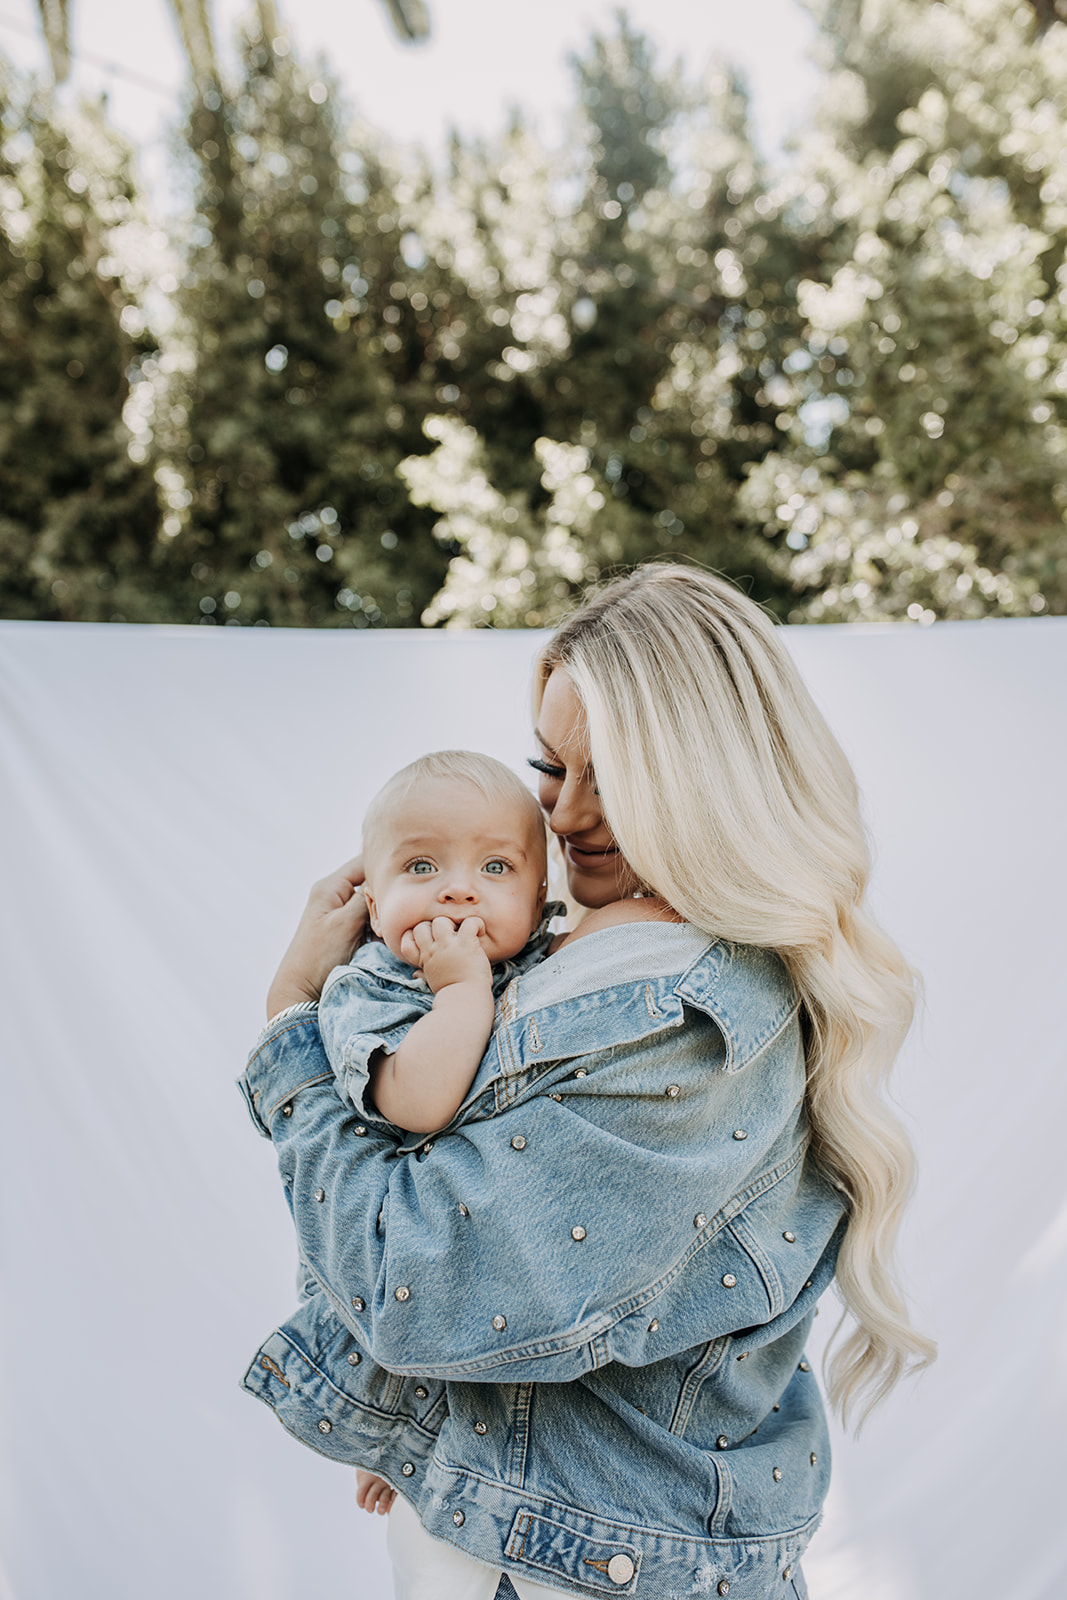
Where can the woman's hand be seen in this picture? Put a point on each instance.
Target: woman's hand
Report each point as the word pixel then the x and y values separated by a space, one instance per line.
pixel 333 924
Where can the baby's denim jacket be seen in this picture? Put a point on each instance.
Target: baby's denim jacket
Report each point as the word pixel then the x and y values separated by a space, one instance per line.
pixel 370 1004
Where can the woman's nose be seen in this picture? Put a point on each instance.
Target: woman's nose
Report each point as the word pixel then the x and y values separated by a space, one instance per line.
pixel 576 808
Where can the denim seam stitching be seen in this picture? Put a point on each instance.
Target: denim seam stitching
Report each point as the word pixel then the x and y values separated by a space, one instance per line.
pixel 308 1083
pixel 693 1382
pixel 625 1529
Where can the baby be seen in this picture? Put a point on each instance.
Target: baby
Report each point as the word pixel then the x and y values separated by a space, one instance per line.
pixel 455 862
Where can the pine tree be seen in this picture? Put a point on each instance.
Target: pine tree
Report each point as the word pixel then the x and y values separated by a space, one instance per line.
pixel 78 516
pixel 636 386
pixel 303 385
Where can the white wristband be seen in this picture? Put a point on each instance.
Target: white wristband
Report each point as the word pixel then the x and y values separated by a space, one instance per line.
pixel 302 1008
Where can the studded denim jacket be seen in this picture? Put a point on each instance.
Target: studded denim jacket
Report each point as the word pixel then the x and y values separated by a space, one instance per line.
pixel 570 1328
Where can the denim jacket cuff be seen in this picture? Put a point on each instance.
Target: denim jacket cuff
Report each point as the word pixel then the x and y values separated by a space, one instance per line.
pixel 287 1057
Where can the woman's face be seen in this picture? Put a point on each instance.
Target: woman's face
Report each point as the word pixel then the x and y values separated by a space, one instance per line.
pixel 596 871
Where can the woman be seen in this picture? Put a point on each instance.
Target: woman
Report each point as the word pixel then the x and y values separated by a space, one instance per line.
pixel 586 1302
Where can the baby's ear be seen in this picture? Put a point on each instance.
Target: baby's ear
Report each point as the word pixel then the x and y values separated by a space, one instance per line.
pixel 372 910
pixel 542 896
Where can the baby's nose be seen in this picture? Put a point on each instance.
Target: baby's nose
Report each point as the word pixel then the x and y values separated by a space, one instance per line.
pixel 458 890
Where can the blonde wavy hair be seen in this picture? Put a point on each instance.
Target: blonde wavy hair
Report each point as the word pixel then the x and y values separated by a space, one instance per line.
pixel 729 796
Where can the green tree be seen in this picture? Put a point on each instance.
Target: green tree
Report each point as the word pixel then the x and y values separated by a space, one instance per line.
pixel 78 515
pixel 924 471
pixel 642 363
pixel 302 382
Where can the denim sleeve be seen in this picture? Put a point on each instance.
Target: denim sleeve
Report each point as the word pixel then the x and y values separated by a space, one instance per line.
pixel 634 1205
pixel 358 1016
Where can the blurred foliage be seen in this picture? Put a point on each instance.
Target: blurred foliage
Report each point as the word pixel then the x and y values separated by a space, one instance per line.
pixel 410 20
pixel 78 517
pixel 306 373
pixel 369 393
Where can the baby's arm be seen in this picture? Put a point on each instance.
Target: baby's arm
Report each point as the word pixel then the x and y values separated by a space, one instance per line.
pixel 421 1086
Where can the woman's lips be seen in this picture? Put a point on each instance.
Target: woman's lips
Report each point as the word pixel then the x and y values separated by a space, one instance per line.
pixel 584 856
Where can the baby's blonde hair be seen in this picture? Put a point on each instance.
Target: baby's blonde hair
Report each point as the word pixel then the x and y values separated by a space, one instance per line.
pixel 490 777
pixel 729 797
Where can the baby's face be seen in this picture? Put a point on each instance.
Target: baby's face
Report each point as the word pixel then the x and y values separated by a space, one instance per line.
pixel 447 851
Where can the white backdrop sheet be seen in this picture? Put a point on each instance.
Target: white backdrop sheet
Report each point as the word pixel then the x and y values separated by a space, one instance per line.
pixel 168 795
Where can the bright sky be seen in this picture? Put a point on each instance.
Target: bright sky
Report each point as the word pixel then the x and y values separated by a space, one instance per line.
pixel 484 56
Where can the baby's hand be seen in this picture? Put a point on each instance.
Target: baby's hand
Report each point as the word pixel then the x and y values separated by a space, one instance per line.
pixel 447 954
pixel 373 1493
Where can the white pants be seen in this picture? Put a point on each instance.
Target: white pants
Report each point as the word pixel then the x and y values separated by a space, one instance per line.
pixel 425 1568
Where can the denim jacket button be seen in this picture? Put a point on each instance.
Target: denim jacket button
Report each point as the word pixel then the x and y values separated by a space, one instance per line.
pixel 724 1586
pixel 420 1392
pixel 519 1142
pixel 740 1133
pixel 580 1072
pixel 401 1294
pixel 458 1518
pixel 790 1238
pixel 578 1234
pixel 500 1323
pixel 360 1131
pixel 673 1090
pixel 700 1220
pixel 481 1427
pixel 787 1573
pixel 408 1469
pixel 354 1359
pixel 803 1367
pixel 728 1280
pixel 358 1304
pixel 320 1195
pixel 463 1210
pixel 722 1442
pixel 427 1147
pixel 813 1458
pixel 325 1426
pixel 287 1111
pixel 620 1569
pixel 777 1474
pixel 653 1326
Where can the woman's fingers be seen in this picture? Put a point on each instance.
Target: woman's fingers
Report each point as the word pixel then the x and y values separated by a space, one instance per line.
pixel 333 924
pixel 338 888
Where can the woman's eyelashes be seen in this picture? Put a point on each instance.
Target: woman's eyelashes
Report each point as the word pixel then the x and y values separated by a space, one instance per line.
pixel 546 768
pixel 557 774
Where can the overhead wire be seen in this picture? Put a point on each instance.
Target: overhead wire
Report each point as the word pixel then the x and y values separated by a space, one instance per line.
pixel 101 63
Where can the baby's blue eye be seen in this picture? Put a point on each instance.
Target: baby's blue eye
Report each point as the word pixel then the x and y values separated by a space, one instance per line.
pixel 497 868
pixel 421 868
